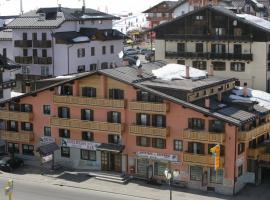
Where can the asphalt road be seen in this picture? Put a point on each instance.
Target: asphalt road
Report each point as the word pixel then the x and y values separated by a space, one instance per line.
pixel 24 190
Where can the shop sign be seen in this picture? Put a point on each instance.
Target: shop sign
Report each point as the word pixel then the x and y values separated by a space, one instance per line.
pixel 46 140
pixel 80 144
pixel 157 156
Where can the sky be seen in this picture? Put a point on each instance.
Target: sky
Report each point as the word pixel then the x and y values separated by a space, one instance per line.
pixel 12 7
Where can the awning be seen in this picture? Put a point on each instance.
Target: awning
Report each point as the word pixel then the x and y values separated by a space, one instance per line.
pixel 2 143
pixel 47 149
pixel 111 147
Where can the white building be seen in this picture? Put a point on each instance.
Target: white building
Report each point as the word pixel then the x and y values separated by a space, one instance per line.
pixel 57 41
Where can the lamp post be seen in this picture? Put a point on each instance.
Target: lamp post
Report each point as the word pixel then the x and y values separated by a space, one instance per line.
pixel 169 175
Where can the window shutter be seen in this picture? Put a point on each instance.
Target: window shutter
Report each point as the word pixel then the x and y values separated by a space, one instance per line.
pixel 138 119
pixel 148 120
pixel 139 97
pixel 203 124
pixel 109 116
pixel 154 118
pixel 91 115
pixel 68 113
pixel 59 112
pixel 82 114
pixel 111 93
pixel 190 123
pixel 31 126
pixel 163 121
pixel 164 143
pixel 119 118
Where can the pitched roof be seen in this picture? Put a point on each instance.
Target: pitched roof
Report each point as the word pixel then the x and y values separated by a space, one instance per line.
pixel 170 4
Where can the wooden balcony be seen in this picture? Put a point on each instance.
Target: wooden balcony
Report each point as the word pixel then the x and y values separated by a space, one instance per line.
pixel 42 43
pixel 255 153
pixel 203 160
pixel 264 157
pixel 87 101
pixel 203 136
pixel 43 60
pixel 16 116
pixel 23 43
pixel 191 37
pixel 17 136
pixel 149 107
pixel 244 136
pixel 23 59
pixel 149 131
pixel 87 125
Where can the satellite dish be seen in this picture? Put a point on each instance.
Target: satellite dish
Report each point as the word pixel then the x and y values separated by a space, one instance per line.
pixel 121 54
pixel 138 63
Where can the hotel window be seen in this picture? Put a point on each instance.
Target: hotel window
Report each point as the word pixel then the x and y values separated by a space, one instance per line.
pixel 116 94
pixel 159 143
pixel 199 47
pixel 44 36
pixel 148 97
pixel 26 126
pixel 24 36
pixel 26 108
pixel 63 112
pixel 14 107
pixel 237 66
pixel 64 133
pixel 92 51
pixel 34 36
pixel 218 48
pixel 87 135
pixel 47 131
pixel 220 31
pixel 143 119
pixel 178 145
pixel 87 114
pixel 46 109
pixel 112 49
pixel 196 173
pixel 114 139
pixel 104 65
pixel 159 168
pixel 35 54
pixel 199 65
pixel 13 148
pixel 114 117
pixel 93 67
pixel 237 49
pixel 44 70
pixel 240 170
pixel 66 90
pixel 88 155
pixel 81 52
pixel 44 53
pixel 89 92
pixel 241 148
pixel 195 123
pixel 25 52
pixel 28 149
pixel 196 148
pixel 103 50
pixel 216 126
pixel 25 70
pixel 12 126
pixel 143 141
pixel 81 68
pixel 65 152
pixel 219 66
pixel 199 17
pixel 159 121
pixel 181 47
pixel 216 176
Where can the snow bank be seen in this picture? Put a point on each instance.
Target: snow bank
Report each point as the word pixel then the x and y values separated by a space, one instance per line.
pixel 81 39
pixel 177 71
pixel 255 20
pixel 263 98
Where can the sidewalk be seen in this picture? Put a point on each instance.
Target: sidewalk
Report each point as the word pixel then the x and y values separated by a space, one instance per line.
pixel 133 188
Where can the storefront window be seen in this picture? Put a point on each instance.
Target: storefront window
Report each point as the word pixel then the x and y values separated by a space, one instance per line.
pixel 88 155
pixel 159 168
pixel 142 166
pixel 196 173
pixel 216 176
pixel 65 152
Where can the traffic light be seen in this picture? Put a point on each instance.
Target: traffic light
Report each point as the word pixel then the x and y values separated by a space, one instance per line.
pixel 216 153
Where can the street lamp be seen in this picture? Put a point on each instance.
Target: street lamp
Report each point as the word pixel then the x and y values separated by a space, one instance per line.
pixel 169 175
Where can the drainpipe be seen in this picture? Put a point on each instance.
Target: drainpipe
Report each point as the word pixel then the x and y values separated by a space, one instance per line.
pixel 68 55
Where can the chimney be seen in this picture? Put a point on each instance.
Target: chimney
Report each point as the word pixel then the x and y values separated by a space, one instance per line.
pixel 140 71
pixel 207 102
pixel 187 72
pixel 59 8
pixel 219 96
pixel 83 9
pixel 245 90
pixel 27 87
pixel 211 70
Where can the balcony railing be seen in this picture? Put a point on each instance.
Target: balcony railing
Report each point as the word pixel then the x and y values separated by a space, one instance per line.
pixel 23 43
pixel 17 136
pixel 213 56
pixel 87 125
pixel 43 60
pixel 16 116
pixel 87 101
pixel 256 152
pixel 42 43
pixel 203 136
pixel 8 84
pixel 206 37
pixel 23 59
pixel 204 160
pixel 254 133
pixel 149 107
pixel 149 131
pixel 264 157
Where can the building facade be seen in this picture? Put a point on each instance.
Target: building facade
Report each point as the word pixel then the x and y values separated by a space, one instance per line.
pixel 237 45
pixel 114 120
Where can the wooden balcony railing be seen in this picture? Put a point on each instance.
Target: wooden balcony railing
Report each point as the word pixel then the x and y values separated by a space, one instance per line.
pixel 87 101
pixel 264 157
pixel 149 107
pixel 205 37
pixel 17 136
pixel 23 43
pixel 244 136
pixel 42 43
pixel 87 125
pixel 23 59
pixel 203 136
pixel 149 131
pixel 255 153
pixel 204 160
pixel 43 60
pixel 16 116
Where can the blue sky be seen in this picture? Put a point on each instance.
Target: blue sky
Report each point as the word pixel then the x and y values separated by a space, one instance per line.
pixel 10 7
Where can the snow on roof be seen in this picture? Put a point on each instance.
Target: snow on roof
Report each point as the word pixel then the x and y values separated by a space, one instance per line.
pixel 15 94
pixel 259 5
pixel 65 77
pixel 81 39
pixel 255 20
pixel 263 98
pixel 177 71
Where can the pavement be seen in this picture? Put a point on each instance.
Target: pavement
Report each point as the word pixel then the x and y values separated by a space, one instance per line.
pixel 79 181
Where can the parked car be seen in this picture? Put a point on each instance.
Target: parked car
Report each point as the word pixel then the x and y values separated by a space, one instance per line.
pixel 131 59
pixel 8 164
pixel 149 55
pixel 143 51
pixel 131 52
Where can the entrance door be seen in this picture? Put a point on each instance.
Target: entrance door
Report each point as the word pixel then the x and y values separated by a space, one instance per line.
pixel 115 162
pixel 105 166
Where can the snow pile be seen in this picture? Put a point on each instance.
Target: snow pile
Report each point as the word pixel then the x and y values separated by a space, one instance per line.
pixel 255 20
pixel 177 71
pixel 81 39
pixel 263 98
